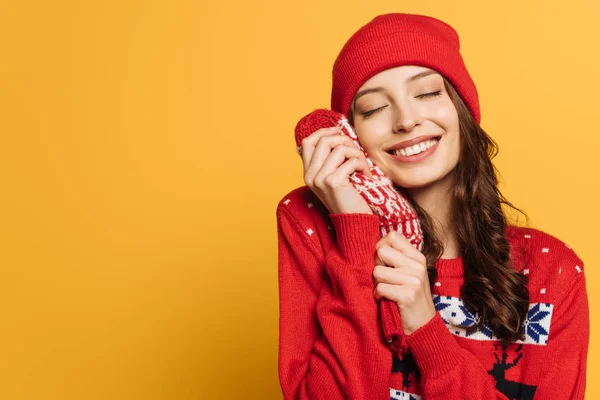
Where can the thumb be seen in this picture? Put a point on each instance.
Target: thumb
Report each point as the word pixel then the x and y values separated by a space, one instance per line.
pixel 375 295
pixel 367 170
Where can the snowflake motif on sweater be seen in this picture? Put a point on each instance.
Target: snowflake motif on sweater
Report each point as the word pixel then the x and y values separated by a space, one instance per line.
pixel 457 318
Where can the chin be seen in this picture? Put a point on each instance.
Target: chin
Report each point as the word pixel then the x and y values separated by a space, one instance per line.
pixel 419 181
pixel 413 184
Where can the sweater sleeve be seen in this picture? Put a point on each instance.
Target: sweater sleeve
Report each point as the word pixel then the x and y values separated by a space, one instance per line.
pixel 329 342
pixel 448 372
pixel 451 372
pixel 564 374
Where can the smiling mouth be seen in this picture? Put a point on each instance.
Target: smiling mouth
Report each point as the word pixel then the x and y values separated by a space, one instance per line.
pixel 415 149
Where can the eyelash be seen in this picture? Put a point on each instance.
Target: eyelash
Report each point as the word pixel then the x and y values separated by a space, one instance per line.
pixel 432 94
pixel 367 114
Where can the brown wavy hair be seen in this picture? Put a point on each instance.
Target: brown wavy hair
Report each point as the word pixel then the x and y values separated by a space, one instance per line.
pixel 492 287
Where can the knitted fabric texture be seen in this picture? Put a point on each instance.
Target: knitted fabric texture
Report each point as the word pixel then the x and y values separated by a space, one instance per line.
pixel 393 208
pixel 396 39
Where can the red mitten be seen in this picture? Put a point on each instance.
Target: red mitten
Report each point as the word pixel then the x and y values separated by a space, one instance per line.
pixel 392 207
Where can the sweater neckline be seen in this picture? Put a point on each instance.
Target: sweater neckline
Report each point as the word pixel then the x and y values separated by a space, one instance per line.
pixel 450 267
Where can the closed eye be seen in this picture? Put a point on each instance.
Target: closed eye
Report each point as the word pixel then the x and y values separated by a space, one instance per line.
pixel 431 94
pixel 437 93
pixel 366 114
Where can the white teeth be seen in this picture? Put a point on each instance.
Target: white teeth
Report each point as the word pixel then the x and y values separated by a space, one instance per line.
pixel 416 149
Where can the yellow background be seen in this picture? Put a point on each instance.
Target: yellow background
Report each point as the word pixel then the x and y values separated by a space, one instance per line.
pixel 145 144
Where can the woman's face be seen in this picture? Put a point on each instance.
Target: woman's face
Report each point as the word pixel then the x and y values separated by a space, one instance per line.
pixel 408 125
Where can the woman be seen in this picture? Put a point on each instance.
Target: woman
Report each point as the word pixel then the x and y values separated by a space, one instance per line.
pixel 489 310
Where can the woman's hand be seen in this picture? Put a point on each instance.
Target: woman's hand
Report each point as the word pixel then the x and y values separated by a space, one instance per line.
pixel 400 275
pixel 329 159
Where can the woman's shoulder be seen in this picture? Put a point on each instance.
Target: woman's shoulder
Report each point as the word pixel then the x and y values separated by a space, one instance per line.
pixel 536 238
pixel 539 242
pixel 545 259
pixel 301 204
pixel 297 199
pixel 303 209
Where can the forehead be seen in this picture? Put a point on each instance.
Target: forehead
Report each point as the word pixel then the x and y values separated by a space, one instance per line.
pixel 395 76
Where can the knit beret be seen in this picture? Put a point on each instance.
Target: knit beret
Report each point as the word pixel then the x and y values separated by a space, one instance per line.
pixel 395 39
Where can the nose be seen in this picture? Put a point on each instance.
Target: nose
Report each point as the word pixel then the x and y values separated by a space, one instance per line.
pixel 406 119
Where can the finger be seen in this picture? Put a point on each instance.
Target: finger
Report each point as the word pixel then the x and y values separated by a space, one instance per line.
pixel 309 143
pixel 400 243
pixel 393 276
pixel 337 157
pixel 377 296
pixel 367 171
pixel 340 176
pixel 384 241
pixel 394 258
pixel 395 293
pixel 321 151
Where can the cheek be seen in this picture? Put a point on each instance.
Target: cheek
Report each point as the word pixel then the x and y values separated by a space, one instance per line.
pixel 370 136
pixel 447 117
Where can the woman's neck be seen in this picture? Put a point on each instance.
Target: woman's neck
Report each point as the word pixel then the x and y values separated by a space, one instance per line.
pixel 436 200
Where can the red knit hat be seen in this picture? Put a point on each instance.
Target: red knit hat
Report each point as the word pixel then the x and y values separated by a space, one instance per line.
pixel 392 40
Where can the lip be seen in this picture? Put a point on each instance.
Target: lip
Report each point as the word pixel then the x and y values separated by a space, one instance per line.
pixel 419 157
pixel 412 142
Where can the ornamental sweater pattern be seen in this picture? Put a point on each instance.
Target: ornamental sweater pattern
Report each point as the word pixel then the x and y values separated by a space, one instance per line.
pixel 330 334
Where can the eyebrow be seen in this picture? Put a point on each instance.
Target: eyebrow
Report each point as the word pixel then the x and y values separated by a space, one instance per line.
pixel 410 79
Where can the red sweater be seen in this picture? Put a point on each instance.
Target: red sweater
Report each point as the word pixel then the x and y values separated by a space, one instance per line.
pixel 330 335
